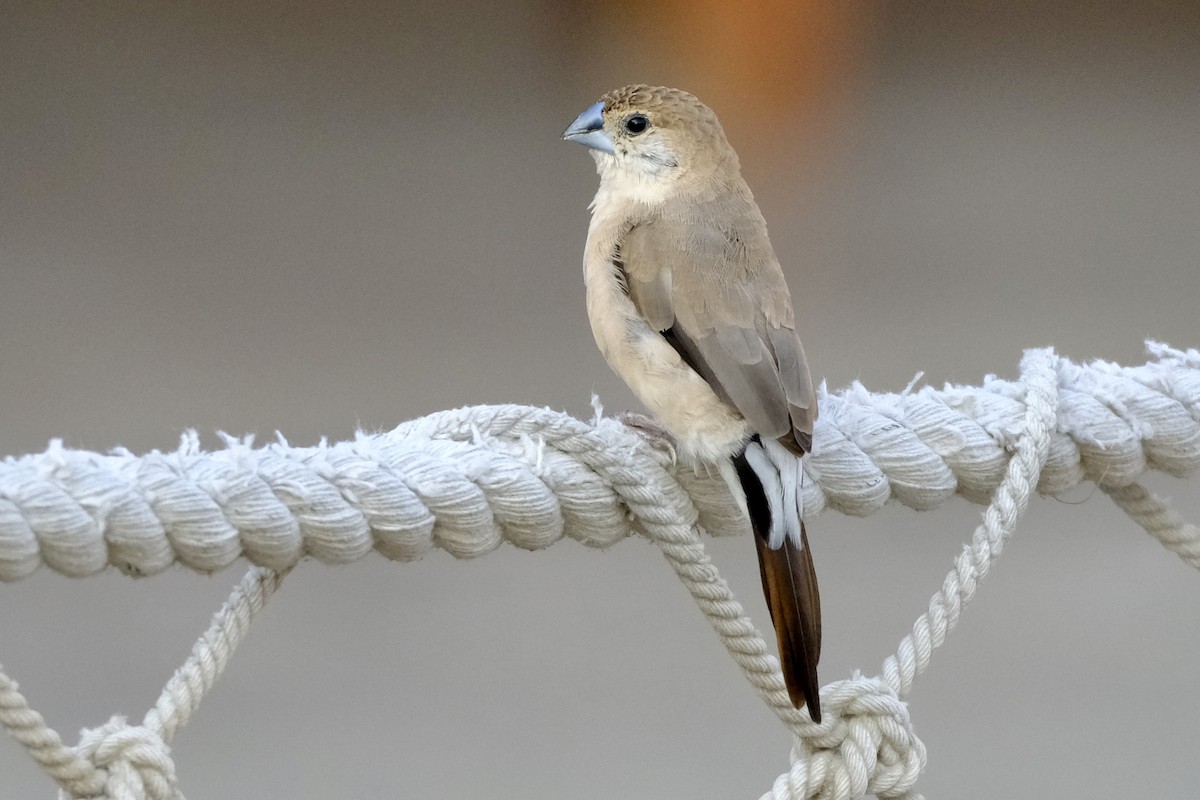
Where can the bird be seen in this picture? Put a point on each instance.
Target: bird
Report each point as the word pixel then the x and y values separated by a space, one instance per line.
pixel 689 306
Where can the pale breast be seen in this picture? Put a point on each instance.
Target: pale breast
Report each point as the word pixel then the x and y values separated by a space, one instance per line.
pixel 705 427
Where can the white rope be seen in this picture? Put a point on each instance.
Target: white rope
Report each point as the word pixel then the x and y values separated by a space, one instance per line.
pixel 124 762
pixel 1175 534
pixel 469 479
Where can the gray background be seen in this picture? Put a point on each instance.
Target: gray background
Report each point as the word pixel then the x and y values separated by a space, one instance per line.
pixel 307 217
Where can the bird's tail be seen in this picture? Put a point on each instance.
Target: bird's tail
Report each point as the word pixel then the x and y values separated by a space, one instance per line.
pixel 770 479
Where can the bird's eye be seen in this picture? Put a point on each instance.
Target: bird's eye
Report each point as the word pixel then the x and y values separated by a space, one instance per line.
pixel 637 123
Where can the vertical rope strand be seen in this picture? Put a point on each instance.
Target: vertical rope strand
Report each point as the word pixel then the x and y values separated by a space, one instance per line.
pixel 1007 506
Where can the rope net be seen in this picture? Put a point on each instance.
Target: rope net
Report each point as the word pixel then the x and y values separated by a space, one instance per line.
pixel 468 479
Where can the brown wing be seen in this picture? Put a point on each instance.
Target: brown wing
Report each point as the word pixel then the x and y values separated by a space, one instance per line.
pixel 706 277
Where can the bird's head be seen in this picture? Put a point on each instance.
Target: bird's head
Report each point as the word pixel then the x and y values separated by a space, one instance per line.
pixel 652 137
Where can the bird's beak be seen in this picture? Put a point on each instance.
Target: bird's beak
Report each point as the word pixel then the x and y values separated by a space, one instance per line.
pixel 588 129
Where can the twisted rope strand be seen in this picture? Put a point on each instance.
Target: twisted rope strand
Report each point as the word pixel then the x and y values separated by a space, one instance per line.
pixel 470 479
pixel 1152 514
pixel 127 762
pixel 211 653
pixel 66 767
pixel 999 520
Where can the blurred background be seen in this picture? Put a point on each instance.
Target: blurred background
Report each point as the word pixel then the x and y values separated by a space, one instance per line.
pixel 313 217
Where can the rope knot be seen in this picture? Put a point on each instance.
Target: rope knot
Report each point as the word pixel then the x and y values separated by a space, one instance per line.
pixel 135 761
pixel 865 745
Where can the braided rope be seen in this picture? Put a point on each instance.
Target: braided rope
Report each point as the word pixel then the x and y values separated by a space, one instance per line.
pixel 469 479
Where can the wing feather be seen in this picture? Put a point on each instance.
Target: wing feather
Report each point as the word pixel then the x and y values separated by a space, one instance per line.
pixel 708 279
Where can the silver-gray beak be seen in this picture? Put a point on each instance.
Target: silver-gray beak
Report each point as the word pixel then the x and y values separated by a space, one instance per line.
pixel 588 129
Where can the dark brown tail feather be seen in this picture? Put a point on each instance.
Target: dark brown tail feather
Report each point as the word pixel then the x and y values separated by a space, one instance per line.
pixel 790 585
